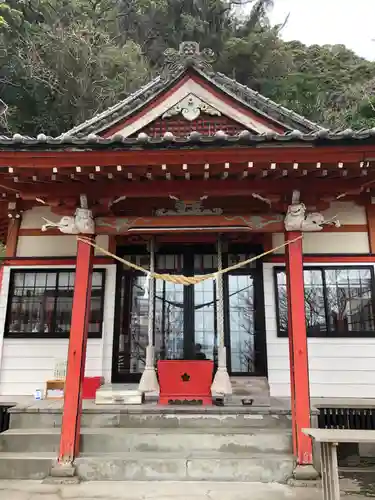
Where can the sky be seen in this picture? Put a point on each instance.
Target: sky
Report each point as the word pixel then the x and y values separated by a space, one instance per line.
pixel 348 22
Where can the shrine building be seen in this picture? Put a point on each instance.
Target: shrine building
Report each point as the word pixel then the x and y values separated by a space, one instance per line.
pixel 192 174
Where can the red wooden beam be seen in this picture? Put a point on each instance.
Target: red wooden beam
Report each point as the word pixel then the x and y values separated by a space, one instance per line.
pixel 56 261
pixel 327 259
pixel 188 190
pixel 279 154
pixel 299 372
pixel 71 422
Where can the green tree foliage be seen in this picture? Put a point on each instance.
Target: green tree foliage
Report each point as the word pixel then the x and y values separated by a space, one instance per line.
pixel 61 61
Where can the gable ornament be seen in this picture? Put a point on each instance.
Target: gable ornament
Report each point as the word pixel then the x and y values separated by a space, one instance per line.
pixel 188 55
pixel 190 107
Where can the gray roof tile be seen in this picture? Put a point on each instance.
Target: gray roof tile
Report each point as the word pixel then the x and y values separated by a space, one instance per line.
pixel 168 141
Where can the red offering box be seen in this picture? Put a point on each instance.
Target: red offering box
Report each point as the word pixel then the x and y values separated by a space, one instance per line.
pixel 90 386
pixel 185 381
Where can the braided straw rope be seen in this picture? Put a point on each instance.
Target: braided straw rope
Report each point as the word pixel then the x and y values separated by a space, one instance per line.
pixel 180 278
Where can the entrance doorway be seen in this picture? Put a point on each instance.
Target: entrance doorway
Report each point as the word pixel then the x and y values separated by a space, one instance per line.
pixel 186 316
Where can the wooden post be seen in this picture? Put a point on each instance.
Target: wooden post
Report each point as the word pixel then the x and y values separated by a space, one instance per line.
pixel 12 237
pixel 370 212
pixel 71 422
pixel 299 371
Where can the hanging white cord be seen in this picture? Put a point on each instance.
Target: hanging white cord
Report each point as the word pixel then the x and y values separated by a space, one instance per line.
pixel 149 381
pixel 150 290
pixel 147 286
pixel 219 291
pixel 221 383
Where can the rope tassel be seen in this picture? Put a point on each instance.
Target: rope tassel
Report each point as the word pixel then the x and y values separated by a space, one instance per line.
pixel 149 381
pixel 147 286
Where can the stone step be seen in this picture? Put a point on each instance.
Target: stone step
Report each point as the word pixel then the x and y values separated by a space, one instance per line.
pixel 162 418
pixel 160 467
pixel 26 465
pixel 112 440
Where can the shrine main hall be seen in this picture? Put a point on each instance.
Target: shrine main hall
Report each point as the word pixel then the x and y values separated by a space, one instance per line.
pixel 194 220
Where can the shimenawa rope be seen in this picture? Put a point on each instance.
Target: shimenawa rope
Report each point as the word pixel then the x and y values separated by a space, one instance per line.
pixel 180 278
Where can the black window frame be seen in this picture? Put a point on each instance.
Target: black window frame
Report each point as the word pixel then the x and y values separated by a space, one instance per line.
pixel 329 333
pixel 53 335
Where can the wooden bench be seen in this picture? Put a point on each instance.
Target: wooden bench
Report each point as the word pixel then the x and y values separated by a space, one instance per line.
pixel 328 440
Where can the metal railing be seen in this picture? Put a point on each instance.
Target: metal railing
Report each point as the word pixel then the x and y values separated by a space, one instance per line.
pixel 347 418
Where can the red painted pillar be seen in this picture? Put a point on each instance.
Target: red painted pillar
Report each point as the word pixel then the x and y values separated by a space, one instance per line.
pixel 299 370
pixel 71 422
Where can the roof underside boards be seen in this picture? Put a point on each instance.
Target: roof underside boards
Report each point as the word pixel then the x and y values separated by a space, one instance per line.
pixel 241 96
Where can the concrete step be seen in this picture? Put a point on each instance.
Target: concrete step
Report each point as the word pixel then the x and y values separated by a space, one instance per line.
pixel 159 418
pixel 25 465
pixel 161 467
pixel 114 440
pixel 194 467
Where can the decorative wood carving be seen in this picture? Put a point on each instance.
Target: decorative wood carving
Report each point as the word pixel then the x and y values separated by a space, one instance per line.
pixel 81 223
pixel 188 55
pixel 190 108
pixel 256 223
pixel 188 208
pixel 298 220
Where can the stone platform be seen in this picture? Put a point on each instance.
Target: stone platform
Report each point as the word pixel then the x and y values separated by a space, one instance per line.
pixel 167 490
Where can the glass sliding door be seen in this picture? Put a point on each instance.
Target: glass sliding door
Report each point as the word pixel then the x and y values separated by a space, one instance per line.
pixel 169 320
pixel 130 348
pixel 242 323
pixel 205 332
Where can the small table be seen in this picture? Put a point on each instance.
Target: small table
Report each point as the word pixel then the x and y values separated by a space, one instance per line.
pixel 328 440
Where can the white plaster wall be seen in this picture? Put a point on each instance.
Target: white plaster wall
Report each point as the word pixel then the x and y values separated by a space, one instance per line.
pixel 338 368
pixel 26 364
pixel 323 243
pixel 33 219
pixel 54 246
pixel 346 212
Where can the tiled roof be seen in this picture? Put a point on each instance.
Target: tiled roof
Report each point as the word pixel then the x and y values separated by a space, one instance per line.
pixel 195 139
pixel 171 74
pixel 262 105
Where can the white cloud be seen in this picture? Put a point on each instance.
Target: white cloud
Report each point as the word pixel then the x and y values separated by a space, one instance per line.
pixel 348 22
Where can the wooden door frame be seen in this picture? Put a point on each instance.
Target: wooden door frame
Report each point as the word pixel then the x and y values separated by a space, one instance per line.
pixel 259 320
